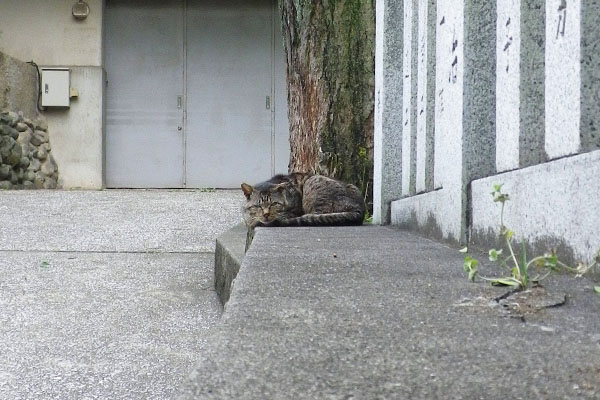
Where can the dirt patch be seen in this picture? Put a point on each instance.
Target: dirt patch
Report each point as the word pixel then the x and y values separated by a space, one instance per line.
pixel 516 303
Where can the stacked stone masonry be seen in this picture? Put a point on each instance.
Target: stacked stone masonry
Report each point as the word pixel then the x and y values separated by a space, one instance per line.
pixel 26 160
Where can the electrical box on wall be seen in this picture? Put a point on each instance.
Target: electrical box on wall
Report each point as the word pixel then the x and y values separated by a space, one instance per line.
pixel 56 83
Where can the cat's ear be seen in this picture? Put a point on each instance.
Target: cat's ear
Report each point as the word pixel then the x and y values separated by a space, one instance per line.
pixel 280 188
pixel 247 189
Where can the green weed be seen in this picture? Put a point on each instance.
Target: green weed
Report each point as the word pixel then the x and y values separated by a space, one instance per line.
pixel 521 273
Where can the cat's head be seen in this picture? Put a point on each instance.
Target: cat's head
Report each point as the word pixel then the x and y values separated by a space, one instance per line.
pixel 269 202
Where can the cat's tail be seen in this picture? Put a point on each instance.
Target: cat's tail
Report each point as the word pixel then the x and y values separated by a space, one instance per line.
pixel 331 219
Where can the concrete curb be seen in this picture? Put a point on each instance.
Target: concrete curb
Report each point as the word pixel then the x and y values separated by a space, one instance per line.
pixel 377 313
pixel 229 254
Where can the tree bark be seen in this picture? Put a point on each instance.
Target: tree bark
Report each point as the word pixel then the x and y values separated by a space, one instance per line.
pixel 329 46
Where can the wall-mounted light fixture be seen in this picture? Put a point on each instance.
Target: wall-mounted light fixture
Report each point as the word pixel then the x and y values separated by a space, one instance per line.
pixel 81 10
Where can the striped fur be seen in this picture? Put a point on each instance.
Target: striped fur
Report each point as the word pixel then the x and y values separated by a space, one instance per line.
pixel 329 219
pixel 302 200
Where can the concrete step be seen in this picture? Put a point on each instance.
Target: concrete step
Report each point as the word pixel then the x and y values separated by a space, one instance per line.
pixel 377 313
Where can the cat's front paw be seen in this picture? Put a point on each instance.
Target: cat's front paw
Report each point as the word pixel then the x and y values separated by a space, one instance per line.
pixel 266 224
pixel 255 224
pixel 260 224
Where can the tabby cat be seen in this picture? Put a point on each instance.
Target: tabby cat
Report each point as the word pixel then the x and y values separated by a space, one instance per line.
pixel 302 199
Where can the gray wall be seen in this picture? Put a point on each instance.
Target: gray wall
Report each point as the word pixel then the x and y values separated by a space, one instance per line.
pixel 515 102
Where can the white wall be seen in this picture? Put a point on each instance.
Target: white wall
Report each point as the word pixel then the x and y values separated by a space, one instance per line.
pixel 47 33
pixel 76 133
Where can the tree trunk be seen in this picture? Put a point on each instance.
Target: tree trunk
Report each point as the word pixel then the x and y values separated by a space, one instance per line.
pixel 329 46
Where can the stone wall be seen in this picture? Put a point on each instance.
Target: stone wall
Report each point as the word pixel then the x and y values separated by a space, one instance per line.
pixel 26 161
pixel 514 102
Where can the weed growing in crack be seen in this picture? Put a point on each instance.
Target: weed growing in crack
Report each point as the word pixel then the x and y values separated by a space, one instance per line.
pixel 521 273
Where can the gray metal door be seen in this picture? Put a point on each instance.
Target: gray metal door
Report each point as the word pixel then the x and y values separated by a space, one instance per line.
pixel 144 97
pixel 192 91
pixel 228 87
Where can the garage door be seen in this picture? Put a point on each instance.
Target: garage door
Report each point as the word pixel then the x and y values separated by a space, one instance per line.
pixel 195 93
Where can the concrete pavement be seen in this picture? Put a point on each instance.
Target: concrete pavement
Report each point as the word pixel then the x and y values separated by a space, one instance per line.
pixel 106 294
pixel 377 313
pixel 109 295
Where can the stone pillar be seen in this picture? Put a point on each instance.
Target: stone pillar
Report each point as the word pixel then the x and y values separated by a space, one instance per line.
pixel 479 112
pixel 508 64
pixel 532 66
pixel 407 99
pixel 387 178
pixel 563 77
pixel 465 134
pixel 449 94
pixel 425 95
pixel 590 75
pixel 439 213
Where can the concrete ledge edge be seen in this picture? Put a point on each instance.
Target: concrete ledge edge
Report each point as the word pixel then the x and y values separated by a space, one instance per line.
pixel 229 254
